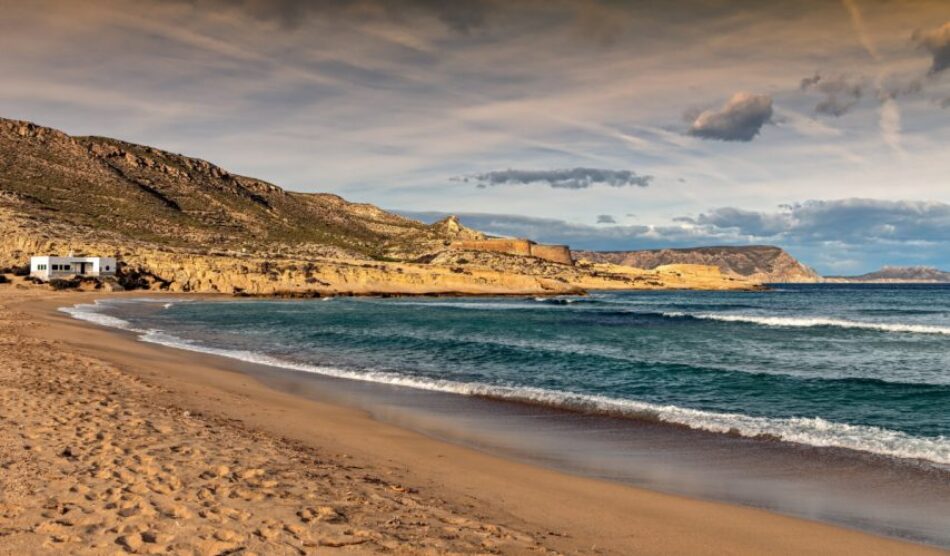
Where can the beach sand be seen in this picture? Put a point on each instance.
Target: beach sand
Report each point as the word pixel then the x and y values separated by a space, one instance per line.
pixel 109 445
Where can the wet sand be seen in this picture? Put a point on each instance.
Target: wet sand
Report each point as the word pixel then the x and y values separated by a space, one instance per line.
pixel 110 444
pixel 901 498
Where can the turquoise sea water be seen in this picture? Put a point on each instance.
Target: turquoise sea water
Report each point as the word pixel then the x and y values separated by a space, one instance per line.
pixel 861 367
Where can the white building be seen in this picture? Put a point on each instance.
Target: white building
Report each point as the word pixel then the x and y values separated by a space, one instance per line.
pixel 50 267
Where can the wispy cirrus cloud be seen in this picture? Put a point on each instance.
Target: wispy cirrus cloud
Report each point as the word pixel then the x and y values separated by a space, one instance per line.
pixel 291 14
pixel 860 29
pixel 565 178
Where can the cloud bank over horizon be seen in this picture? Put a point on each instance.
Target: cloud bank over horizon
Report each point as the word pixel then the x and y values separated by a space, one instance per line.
pixel 846 235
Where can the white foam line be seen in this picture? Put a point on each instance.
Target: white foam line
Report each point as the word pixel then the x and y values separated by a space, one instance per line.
pixel 813 431
pixel 479 305
pixel 89 312
pixel 808 322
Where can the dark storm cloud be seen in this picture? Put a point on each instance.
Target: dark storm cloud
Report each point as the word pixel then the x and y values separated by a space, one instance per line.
pixel 566 178
pixel 937 42
pixel 606 219
pixel 740 119
pixel 840 93
pixel 461 16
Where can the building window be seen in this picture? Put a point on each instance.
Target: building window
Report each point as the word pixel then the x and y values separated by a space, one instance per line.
pixel 67 267
pixel 41 267
pixel 107 268
pixel 55 267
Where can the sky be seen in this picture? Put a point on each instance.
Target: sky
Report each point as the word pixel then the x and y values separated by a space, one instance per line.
pixel 821 126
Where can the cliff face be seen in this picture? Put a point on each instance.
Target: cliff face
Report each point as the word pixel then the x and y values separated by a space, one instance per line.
pixel 184 224
pixel 897 274
pixel 759 263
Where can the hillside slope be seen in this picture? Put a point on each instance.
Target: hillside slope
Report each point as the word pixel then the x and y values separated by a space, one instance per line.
pixel 759 263
pixel 184 224
pixel 175 200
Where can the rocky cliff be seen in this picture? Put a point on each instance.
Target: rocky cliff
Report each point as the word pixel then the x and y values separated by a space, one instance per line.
pixel 184 224
pixel 759 263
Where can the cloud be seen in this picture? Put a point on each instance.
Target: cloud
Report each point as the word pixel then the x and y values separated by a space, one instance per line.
pixel 937 42
pixel 857 22
pixel 743 222
pixel 841 93
pixel 605 219
pixel 567 178
pixel 463 17
pixel 809 82
pixel 740 119
pixel 945 103
pixel 850 221
pixel 890 125
pixel 902 88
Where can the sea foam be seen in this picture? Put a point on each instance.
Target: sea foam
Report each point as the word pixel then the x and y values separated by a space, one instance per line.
pixel 809 322
pixel 90 312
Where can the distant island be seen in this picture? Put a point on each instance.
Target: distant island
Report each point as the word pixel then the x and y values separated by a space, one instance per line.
pixel 896 275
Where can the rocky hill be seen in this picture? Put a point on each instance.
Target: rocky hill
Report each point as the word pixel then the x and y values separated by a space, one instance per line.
pixel 759 263
pixel 184 224
pixel 174 200
pixel 898 274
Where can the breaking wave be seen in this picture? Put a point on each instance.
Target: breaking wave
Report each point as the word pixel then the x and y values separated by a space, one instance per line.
pixel 89 312
pixel 809 322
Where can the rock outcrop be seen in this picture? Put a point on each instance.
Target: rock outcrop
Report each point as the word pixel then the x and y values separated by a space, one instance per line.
pixel 759 263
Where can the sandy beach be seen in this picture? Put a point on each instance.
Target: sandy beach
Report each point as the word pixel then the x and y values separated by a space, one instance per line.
pixel 111 445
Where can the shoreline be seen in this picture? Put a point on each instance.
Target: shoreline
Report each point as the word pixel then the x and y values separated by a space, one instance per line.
pixel 848 440
pixel 613 516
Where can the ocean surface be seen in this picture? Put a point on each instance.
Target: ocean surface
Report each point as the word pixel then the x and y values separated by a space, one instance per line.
pixel 861 367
